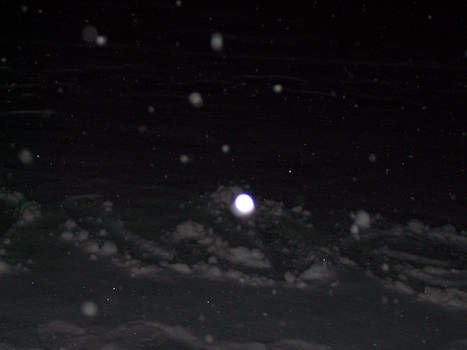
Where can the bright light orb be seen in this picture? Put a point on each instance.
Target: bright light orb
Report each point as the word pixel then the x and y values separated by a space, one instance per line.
pixel 243 205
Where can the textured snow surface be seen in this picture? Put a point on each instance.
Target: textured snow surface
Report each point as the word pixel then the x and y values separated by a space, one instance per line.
pixel 88 241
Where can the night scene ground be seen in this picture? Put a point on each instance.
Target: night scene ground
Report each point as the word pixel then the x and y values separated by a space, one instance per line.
pixel 224 175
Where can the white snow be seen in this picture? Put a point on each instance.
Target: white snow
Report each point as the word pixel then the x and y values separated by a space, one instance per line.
pixel 108 248
pixel 179 267
pixel 450 297
pixel 245 256
pixel 67 236
pixel 189 230
pixel 317 271
pixel 223 197
pixel 107 206
pixel 289 277
pixel 194 252
pixel 28 213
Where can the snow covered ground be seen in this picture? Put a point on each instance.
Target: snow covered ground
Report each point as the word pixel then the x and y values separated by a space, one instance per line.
pixel 94 272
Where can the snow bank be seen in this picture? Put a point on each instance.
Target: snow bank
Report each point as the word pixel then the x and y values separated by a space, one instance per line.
pixel 244 250
pixel 25 212
pixel 415 259
pixel 450 297
pixel 10 198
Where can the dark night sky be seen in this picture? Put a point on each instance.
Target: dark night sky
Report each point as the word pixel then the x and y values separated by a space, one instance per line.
pixel 359 77
pixel 340 39
pixel 376 29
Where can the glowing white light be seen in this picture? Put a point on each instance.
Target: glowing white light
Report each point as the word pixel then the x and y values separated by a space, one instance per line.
pixel 225 148
pixel 277 88
pixel 217 42
pixel 244 204
pixel 196 99
pixel 101 40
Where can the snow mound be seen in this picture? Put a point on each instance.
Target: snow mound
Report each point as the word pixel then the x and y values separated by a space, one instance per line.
pixel 248 257
pixel 450 297
pixel 29 212
pixel 415 259
pixel 24 212
pixel 10 198
pixel 220 246
pixel 318 272
pixel 90 243
pixel 223 197
pixel 189 230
